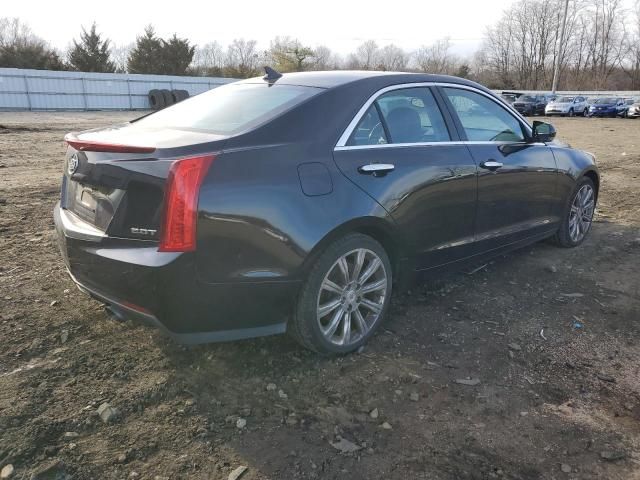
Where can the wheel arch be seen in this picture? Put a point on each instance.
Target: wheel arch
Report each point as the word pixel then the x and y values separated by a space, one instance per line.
pixel 379 229
pixel 594 177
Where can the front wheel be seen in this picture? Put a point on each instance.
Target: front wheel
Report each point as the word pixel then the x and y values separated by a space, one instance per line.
pixel 578 217
pixel 345 296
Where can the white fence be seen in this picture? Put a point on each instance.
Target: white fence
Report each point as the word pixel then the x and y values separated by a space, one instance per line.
pixel 22 89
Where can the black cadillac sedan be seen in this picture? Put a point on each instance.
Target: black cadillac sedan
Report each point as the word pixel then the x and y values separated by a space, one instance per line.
pixel 296 203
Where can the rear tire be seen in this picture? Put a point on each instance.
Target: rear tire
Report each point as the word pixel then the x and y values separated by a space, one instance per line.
pixel 336 313
pixel 578 215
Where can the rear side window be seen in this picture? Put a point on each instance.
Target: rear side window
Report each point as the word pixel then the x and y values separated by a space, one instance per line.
pixel 231 108
pixel 370 130
pixel 409 115
pixel 483 119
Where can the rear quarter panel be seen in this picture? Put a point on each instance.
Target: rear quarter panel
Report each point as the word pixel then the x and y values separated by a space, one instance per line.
pixel 256 223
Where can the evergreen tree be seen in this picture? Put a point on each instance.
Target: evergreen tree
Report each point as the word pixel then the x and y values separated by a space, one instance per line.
pixel 146 54
pixel 30 55
pixel 91 53
pixel 20 48
pixel 176 54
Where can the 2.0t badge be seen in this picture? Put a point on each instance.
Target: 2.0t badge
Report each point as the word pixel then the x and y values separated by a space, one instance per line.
pixel 72 164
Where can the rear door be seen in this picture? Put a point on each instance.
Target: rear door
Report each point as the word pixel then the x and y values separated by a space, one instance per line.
pixel 404 152
pixel 516 177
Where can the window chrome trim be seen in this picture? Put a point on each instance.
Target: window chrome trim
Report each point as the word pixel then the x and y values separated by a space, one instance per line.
pixel 433 144
pixel 344 138
pixel 398 145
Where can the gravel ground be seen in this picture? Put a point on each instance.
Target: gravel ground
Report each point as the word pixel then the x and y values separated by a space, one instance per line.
pixel 527 368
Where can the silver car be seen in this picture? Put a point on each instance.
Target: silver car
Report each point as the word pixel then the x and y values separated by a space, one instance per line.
pixel 626 106
pixel 567 105
pixel 634 110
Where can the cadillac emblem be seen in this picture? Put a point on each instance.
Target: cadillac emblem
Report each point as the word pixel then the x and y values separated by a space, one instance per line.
pixel 72 164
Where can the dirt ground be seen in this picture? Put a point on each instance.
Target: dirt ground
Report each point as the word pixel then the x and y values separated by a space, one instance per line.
pixel 552 337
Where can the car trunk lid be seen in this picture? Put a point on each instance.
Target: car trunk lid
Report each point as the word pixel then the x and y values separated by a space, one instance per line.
pixel 114 178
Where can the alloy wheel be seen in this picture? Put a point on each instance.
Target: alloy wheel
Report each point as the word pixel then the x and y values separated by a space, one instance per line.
pixel 581 214
pixel 352 296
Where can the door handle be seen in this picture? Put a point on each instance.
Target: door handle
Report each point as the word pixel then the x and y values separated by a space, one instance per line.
pixel 491 165
pixel 376 169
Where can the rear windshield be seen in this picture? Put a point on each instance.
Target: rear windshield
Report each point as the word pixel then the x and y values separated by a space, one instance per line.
pixel 230 109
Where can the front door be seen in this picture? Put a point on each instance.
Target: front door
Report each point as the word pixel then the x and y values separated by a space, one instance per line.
pixel 404 155
pixel 517 178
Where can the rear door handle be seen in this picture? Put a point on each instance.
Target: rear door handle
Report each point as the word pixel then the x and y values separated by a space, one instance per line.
pixel 491 165
pixel 376 169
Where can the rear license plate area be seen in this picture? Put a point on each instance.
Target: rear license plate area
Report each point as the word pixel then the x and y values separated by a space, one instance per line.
pixel 85 197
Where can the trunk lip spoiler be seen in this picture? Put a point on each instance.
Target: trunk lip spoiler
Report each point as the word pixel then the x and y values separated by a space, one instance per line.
pixel 96 146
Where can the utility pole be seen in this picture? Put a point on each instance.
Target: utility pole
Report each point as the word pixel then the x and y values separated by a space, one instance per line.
pixel 556 64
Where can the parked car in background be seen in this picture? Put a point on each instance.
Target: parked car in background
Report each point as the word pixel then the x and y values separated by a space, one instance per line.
pixel 622 112
pixel 567 106
pixel 509 98
pixel 606 107
pixel 531 104
pixel 634 110
pixel 296 202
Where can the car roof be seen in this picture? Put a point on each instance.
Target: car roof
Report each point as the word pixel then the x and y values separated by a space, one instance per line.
pixel 331 79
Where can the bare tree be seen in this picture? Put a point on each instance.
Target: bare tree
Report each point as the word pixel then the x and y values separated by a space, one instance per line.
pixel 366 56
pixel 392 58
pixel 436 58
pixel 325 59
pixel 289 55
pixel 608 38
pixel 208 60
pixel 631 65
pixel 120 55
pixel 242 59
pixel 521 48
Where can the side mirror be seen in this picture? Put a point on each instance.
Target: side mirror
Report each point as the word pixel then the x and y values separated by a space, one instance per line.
pixel 543 132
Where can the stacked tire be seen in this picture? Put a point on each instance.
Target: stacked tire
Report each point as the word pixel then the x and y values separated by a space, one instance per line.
pixel 161 98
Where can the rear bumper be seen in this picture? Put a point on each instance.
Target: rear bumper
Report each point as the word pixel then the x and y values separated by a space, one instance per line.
pixel 161 288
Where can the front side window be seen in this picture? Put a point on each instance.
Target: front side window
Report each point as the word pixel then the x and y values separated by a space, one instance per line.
pixel 409 115
pixel 483 119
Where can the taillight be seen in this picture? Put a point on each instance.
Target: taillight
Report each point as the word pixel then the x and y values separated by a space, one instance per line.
pixel 178 232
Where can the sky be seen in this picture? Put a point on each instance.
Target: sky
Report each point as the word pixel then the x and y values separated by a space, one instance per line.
pixel 341 25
